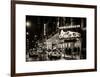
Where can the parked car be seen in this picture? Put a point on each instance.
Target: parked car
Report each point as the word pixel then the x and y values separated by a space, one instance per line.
pixel 54 55
pixel 33 53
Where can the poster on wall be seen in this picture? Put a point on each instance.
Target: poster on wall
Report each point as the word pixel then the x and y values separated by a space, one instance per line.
pixel 52 38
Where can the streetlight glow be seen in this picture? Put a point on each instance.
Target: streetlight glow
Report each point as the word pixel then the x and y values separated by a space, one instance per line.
pixel 27 33
pixel 28 24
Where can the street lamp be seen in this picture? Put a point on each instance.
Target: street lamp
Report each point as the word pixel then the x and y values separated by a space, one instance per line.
pixel 28 24
pixel 27 33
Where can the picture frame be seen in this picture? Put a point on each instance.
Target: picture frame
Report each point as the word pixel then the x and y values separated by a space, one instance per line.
pixel 21 11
